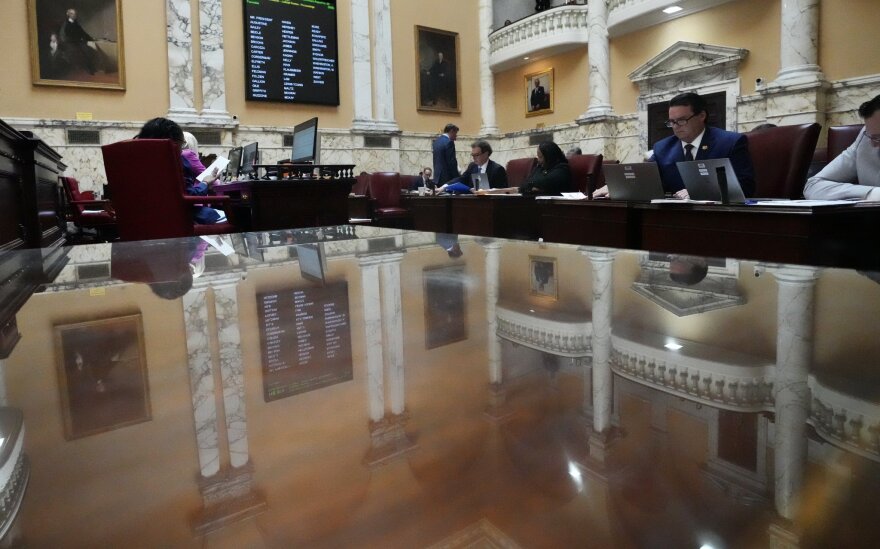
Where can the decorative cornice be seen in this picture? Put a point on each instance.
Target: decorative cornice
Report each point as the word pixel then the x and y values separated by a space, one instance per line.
pixel 559 336
pixel 541 35
pixel 685 57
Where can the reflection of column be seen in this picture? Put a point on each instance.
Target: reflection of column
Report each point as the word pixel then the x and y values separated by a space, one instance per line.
pixel 602 390
pixel 232 374
pixel 361 73
pixel 4 401
pixel 794 353
pixel 600 60
pixel 373 335
pixel 493 253
pixel 213 68
pixel 487 79
pixel 392 331
pixel 799 42
pixel 201 379
pixel 180 60
pixel 383 67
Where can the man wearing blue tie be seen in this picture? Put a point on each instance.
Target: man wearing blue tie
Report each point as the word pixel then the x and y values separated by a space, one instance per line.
pixel 694 140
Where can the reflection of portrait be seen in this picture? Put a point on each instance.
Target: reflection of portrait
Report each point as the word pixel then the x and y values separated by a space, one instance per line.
pixel 539 92
pixel 77 42
pixel 445 315
pixel 542 276
pixel 437 70
pixel 103 375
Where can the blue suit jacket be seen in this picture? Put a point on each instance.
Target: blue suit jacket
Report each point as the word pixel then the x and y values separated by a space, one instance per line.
pixel 445 165
pixel 716 143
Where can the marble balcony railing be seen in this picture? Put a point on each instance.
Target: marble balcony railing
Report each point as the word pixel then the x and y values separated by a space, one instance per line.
pixel 845 421
pixel 564 336
pixel 546 33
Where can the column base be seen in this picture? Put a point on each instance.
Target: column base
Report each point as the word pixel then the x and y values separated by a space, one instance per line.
pixel 783 535
pixel 375 126
pixel 599 461
pixel 597 113
pixel 488 131
pixel 228 497
pixel 388 440
pixel 802 74
pixel 497 410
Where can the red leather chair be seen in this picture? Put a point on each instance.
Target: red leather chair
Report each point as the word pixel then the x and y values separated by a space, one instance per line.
pixel 585 171
pixel 841 137
pixel 146 182
pixel 361 184
pixel 384 191
pixel 87 213
pixel 518 170
pixel 781 157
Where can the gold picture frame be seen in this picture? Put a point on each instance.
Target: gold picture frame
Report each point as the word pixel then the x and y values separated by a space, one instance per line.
pixel 438 70
pixel 543 277
pixel 539 92
pixel 77 44
pixel 102 375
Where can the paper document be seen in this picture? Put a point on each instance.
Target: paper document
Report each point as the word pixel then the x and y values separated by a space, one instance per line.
pixel 220 164
pixel 220 242
pixel 803 203
pixel 682 201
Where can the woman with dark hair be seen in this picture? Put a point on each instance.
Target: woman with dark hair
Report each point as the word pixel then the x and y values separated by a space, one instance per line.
pixel 552 175
pixel 163 128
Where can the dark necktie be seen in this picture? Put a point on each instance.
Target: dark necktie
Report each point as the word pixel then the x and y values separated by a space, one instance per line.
pixel 688 152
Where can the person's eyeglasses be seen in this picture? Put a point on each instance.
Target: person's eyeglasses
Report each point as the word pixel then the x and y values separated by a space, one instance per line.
pixel 873 138
pixel 678 122
pixel 476 154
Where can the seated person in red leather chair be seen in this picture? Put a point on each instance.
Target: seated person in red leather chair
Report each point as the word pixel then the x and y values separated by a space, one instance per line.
pixel 552 174
pixel 162 128
pixel 425 179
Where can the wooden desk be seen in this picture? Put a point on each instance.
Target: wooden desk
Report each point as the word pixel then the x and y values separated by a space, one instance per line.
pixel 846 236
pixel 498 216
pixel 261 205
pixel 430 213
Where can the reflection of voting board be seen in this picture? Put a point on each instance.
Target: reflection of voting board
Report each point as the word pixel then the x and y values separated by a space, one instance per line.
pixel 305 336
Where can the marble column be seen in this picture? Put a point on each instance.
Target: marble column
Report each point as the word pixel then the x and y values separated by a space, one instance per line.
pixel 232 371
pixel 600 61
pixel 392 331
pixel 373 335
pixel 602 262
pixel 383 67
pixel 799 44
pixel 201 379
pixel 487 79
pixel 213 67
pixel 362 80
pixel 794 353
pixel 180 60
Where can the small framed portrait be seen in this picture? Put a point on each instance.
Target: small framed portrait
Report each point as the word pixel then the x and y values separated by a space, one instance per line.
pixel 102 373
pixel 77 43
pixel 437 70
pixel 539 93
pixel 445 306
pixel 543 277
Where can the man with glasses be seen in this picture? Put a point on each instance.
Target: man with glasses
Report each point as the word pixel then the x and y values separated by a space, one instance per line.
pixel 694 140
pixel 481 150
pixel 855 173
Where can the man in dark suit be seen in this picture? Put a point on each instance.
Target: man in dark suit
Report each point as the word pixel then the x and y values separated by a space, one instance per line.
pixel 445 165
pixel 480 152
pixel 79 44
pixel 439 77
pixel 694 140
pixel 539 97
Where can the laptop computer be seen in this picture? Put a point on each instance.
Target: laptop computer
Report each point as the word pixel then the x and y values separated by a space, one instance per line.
pixel 480 181
pixel 700 177
pixel 639 182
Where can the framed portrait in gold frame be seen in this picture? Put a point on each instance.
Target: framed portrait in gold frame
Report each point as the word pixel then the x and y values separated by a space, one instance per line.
pixel 437 70
pixel 77 43
pixel 539 92
pixel 102 375
pixel 543 273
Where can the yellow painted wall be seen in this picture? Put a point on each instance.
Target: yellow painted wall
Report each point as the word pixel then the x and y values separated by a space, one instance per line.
pixel 146 68
pixel 451 15
pixel 847 31
pixel 570 91
pixel 750 24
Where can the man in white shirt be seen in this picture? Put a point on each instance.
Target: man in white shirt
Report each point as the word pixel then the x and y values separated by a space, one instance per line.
pixel 855 173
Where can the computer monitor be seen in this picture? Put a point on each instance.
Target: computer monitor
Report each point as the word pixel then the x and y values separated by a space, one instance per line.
pixel 250 155
pixel 305 142
pixel 234 163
